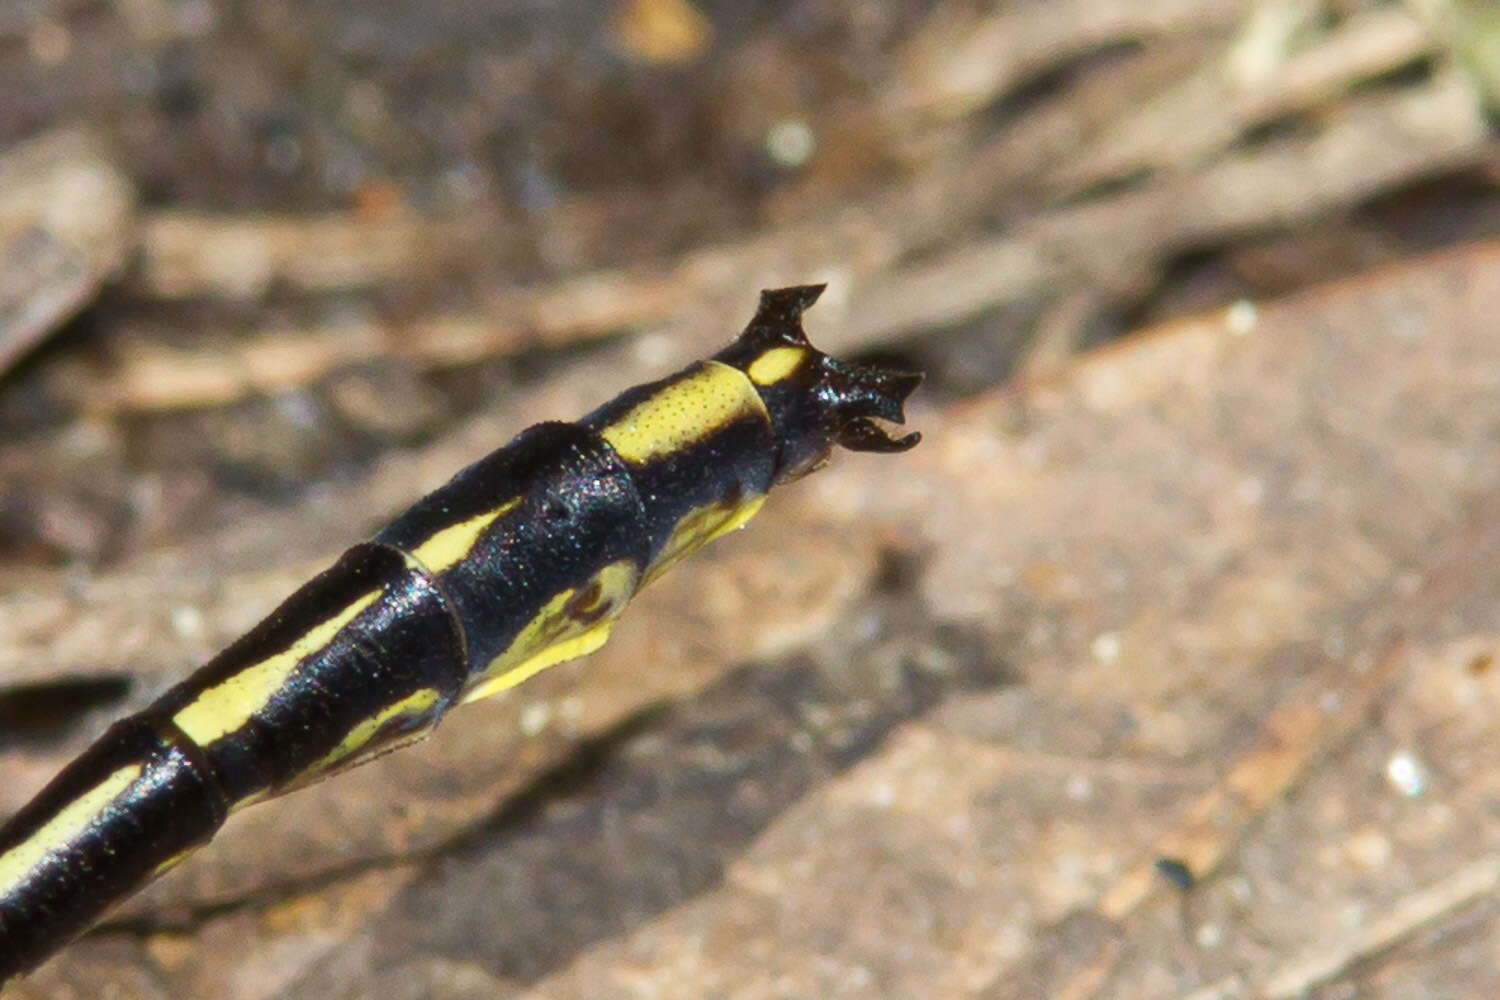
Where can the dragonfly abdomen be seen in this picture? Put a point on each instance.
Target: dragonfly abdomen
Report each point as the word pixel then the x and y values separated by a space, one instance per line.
pixel 523 560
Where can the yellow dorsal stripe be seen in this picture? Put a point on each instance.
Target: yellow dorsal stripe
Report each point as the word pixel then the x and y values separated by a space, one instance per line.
pixel 450 545
pixel 676 415
pixel 228 705
pixel 64 827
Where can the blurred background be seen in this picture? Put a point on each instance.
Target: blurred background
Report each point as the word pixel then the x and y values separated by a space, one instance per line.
pixel 358 217
pixel 270 270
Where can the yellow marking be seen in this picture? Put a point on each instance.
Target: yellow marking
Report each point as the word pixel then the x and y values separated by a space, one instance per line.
pixel 554 636
pixel 259 795
pixel 690 409
pixel 775 365
pixel 560 652
pixel 697 528
pixel 360 735
pixel 450 545
pixel 171 862
pixel 229 705
pixel 61 830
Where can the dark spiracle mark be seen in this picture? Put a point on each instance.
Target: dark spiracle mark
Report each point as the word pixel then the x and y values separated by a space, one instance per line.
pixel 585 607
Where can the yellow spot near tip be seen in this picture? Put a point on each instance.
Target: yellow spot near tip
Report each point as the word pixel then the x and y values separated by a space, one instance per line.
pixel 450 545
pixel 229 704
pixel 775 365
pixel 360 735
pixel 709 396
pixel 63 828
pixel 555 636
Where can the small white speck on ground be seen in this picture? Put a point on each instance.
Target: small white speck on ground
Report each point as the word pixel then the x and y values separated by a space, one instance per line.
pixel 1406 773
pixel 187 621
pixel 790 142
pixel 1106 647
pixel 535 717
pixel 1241 317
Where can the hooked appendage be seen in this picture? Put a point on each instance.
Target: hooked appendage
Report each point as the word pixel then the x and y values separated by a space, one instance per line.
pixel 816 401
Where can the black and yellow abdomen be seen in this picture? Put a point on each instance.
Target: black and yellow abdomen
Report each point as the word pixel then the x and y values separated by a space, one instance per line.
pixel 523 560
